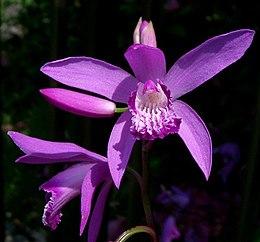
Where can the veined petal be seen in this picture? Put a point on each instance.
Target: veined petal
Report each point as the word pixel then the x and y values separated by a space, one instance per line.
pixel 92 75
pixel 97 214
pixel 195 136
pixel 205 61
pixel 93 179
pixel 79 103
pixel 60 190
pixel 120 146
pixel 37 150
pixel 147 63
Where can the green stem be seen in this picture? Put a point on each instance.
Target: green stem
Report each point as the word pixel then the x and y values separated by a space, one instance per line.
pixel 135 174
pixel 121 110
pixel 251 198
pixel 146 146
pixel 138 229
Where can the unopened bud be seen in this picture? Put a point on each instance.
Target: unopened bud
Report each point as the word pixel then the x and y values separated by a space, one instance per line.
pixel 144 33
pixel 79 103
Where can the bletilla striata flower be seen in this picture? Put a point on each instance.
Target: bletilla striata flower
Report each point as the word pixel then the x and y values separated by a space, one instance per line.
pixel 88 172
pixel 152 96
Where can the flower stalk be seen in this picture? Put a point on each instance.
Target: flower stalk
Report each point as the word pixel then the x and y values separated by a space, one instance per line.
pixel 136 175
pixel 146 147
pixel 121 110
pixel 138 229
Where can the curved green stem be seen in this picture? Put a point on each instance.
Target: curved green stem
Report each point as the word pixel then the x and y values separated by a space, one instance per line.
pixel 136 175
pixel 138 229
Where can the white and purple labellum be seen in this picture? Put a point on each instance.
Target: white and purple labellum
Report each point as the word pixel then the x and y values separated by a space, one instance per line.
pixel 152 110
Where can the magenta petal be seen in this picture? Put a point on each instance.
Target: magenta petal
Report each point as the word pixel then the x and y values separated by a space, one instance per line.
pixel 79 103
pixel 92 75
pixel 120 146
pixel 195 135
pixel 60 190
pixel 147 63
pixel 37 150
pixel 205 61
pixel 59 158
pixel 97 214
pixel 95 176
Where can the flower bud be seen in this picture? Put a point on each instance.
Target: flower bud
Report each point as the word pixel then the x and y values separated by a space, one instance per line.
pixel 79 103
pixel 144 33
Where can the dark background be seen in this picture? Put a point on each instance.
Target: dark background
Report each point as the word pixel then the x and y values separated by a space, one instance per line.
pixel 36 32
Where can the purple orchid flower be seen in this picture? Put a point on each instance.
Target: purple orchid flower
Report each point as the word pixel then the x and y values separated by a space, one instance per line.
pixel 154 110
pixel 89 171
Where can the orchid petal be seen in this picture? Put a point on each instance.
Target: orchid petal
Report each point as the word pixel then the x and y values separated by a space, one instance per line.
pixel 137 32
pixel 60 189
pixel 97 214
pixel 144 33
pixel 71 158
pixel 79 103
pixel 42 152
pixel 92 75
pixel 120 146
pixel 147 63
pixel 205 61
pixel 95 176
pixel 148 34
pixel 195 136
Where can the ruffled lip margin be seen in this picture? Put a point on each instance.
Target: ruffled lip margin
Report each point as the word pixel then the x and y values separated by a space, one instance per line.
pixel 50 217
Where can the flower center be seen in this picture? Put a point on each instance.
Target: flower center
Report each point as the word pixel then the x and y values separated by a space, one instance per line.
pixel 150 97
pixel 153 114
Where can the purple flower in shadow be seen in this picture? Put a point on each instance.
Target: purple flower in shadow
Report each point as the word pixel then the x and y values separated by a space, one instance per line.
pixel 176 195
pixel 169 230
pixel 230 154
pixel 88 172
pixel 152 96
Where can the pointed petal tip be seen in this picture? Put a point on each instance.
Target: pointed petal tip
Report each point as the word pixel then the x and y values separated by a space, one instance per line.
pixel 81 230
pixel 206 169
pixel 42 69
pixel 116 176
pixel 14 135
pixel 117 182
pixel 11 133
pixel 207 174
pixel 252 32
pixel 42 91
pixel 249 32
pixel 120 147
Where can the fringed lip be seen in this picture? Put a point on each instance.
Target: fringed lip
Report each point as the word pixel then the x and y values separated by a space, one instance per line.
pixel 61 189
pixel 152 113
